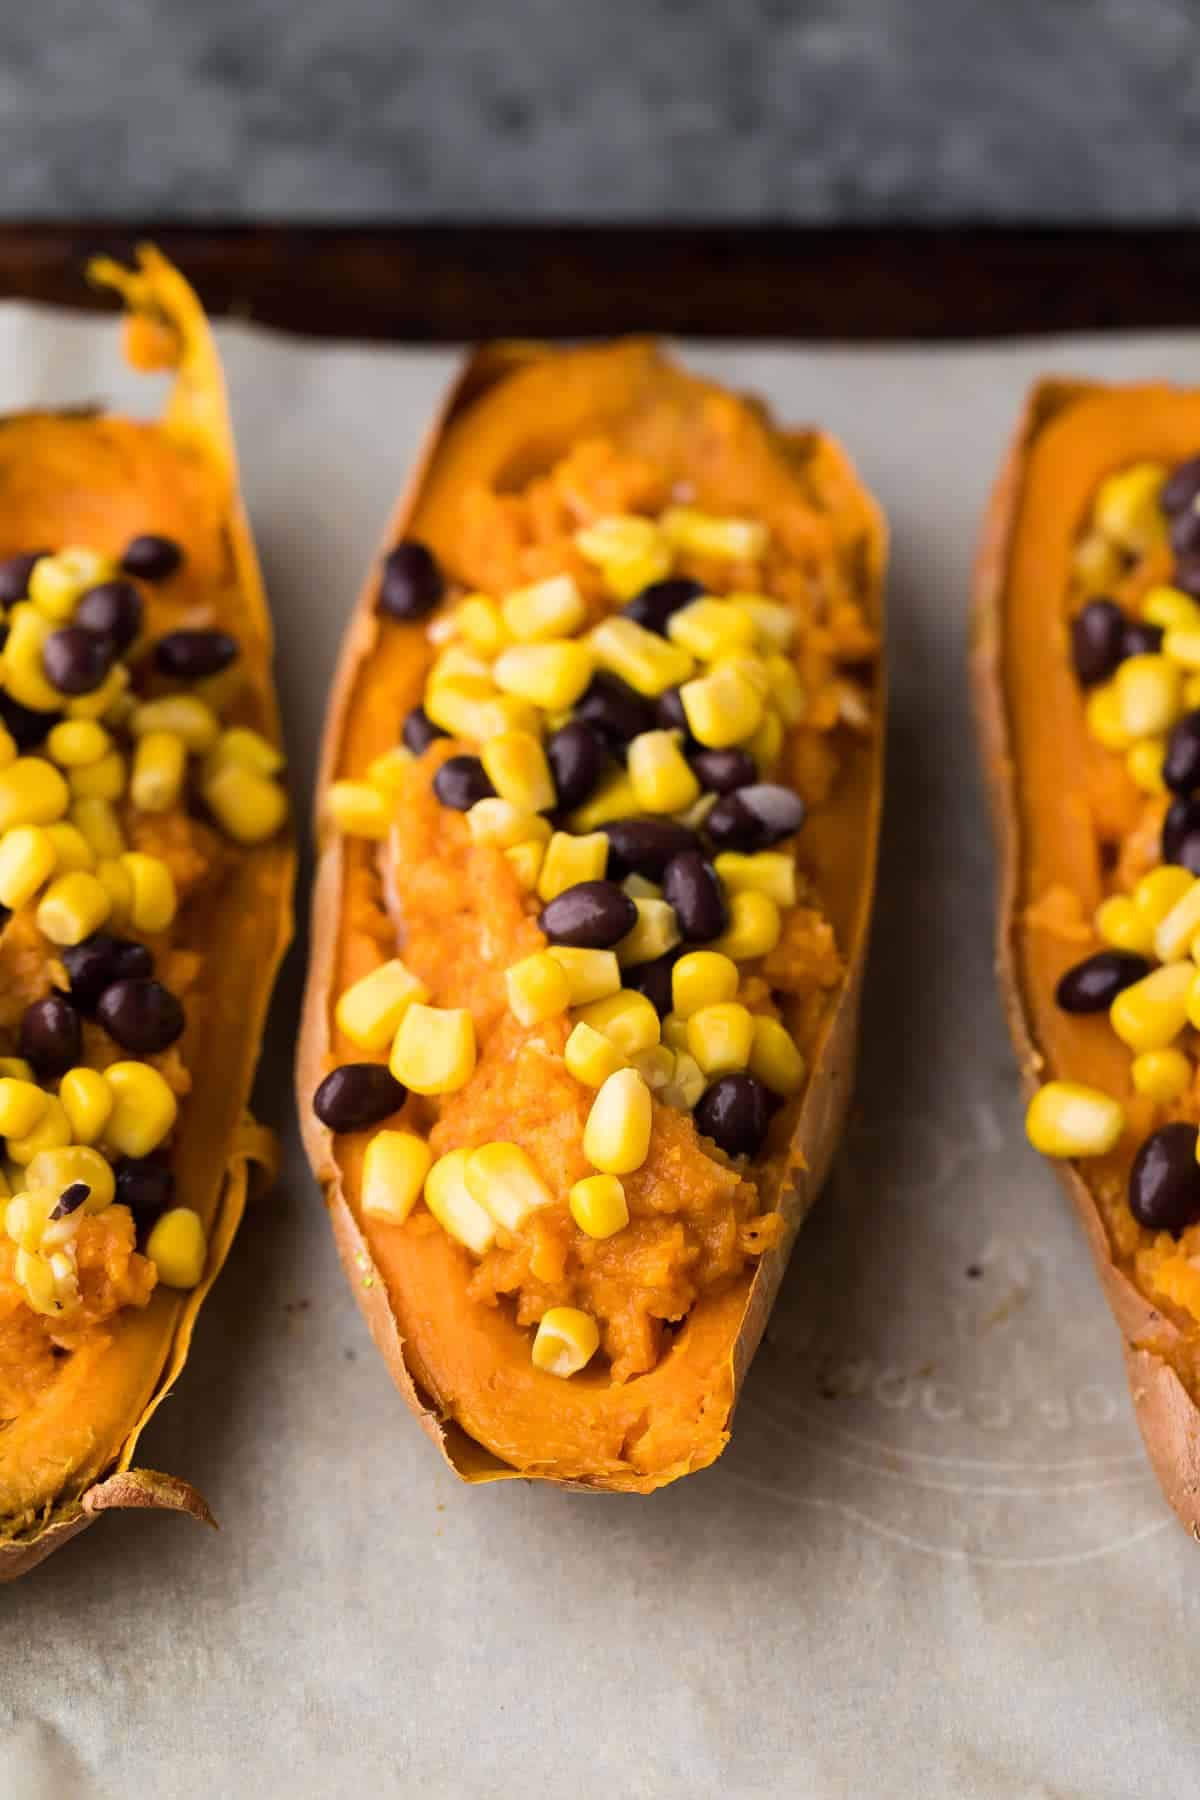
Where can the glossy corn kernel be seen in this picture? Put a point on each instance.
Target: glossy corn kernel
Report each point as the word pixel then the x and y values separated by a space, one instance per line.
pixel 548 609
pixel 1181 645
pixel 647 662
pixel 250 808
pixel 1175 932
pixel 71 848
pixel 551 675
pixel 627 1019
pixel 1097 563
pixel 516 766
pixel 98 824
pixel 1102 712
pixel 506 1183
pixel 771 872
pixel 73 907
pixel 50 1132
pixel 358 809
pixel 1161 890
pixel 370 1011
pixel 591 974
pixel 17 1068
pixel 1128 508
pixel 87 1101
pixel 722 708
pixel 1152 1012
pixel 709 628
pixel 565 1341
pixel 480 626
pixel 1067 1119
pixel 754 927
pixel 248 750
pixel 656 932
pixel 687 1083
pixel 570 859
pixel 699 533
pixel 674 1026
pixel 32 792
pixel 767 743
pixel 56 583
pixel 105 780
pixel 21 660
pixel 786 688
pixel 1161 1075
pixel 454 703
pixel 183 715
pixel 22 1104
pixel 526 861
pixel 37 1281
pixel 701 978
pixel 616 1138
pixel 537 988
pixel 27 1215
pixel 1171 609
pixel 27 859
pixel 590 1056
pixel 501 824
pixel 144 1108
pixel 613 798
pixel 661 776
pixel 154 900
pixel 617 537
pixel 598 1205
pixel 1122 925
pixel 178 1247
pixel 110 701
pixel 388 772
pixel 720 1038
pixel 395 1166
pixel 434 1050
pixel 455 662
pixel 454 1207
pixel 62 1167
pixel 774 1058
pixel 117 883
pixel 1149 696
pixel 774 624
pixel 159 766
pixel 74 743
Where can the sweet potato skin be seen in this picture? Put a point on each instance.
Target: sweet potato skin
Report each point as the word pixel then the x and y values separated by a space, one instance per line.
pixel 1167 1417
pixel 819 1117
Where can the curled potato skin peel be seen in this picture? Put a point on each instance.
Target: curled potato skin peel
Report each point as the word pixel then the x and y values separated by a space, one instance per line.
pixel 91 477
pixel 513 410
pixel 1034 745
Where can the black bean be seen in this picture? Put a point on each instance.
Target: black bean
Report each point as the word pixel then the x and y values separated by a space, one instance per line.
pixel 411 584
pixel 1181 487
pixel 358 1095
pixel 142 1015
pixel 419 730
pixel 51 1038
pixel 114 611
pixel 150 557
pixel 1093 984
pixel 100 960
pixel 77 660
pixel 1185 532
pixel 1164 1182
pixel 654 980
pixel 755 817
pixel 1181 764
pixel 1097 631
pixel 592 915
pixel 613 709
pixel 461 781
pixel 1141 639
pixel 1181 822
pixel 734 1112
pixel 194 655
pixel 70 1200
pixel 669 714
pixel 696 892
pixel 14 575
pixel 655 604
pixel 1187 575
pixel 26 727
pixel 146 1186
pixel 577 755
pixel 723 771
pixel 644 846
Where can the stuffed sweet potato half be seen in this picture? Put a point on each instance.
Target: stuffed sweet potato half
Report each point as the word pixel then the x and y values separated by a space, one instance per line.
pixel 1087 675
pixel 597 828
pixel 145 888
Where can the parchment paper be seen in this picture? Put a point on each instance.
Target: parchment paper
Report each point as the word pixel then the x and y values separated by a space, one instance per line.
pixel 933 1562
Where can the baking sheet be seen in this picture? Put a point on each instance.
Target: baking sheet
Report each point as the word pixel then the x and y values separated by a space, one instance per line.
pixel 933 1562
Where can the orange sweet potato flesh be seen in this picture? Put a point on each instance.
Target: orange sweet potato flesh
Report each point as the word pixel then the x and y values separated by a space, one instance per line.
pixel 86 478
pixel 1037 752
pixel 464 1367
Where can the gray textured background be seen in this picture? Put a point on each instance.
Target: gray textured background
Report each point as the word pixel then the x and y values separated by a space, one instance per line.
pixel 634 109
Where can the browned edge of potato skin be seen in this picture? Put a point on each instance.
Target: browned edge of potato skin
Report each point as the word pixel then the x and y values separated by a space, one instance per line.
pixel 1167 1416
pixel 827 1097
pixel 197 407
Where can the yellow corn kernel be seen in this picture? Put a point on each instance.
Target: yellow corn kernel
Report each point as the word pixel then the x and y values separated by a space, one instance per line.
pixel 687 1083
pixel 480 625
pixel 450 1201
pixel 1128 507
pixel 613 798
pixel 774 1058
pixel 1162 1075
pixel 356 808
pixel 550 675
pixel 774 624
pixel 27 859
pixel 249 750
pixel 722 707
pixel 771 872
pixel 704 534
pixel 1170 608
pixel 655 1064
pixel 454 703
pixel 766 744
pixel 627 1020
pixel 753 929
pixel 646 661
pixel 61 1167
pixel 388 772
pixel 16 1068
pixel 721 1037
pixel 154 900
pixel 74 743
pixel 21 660
pixel 565 1341
pixel 701 978
pixel 72 907
pixel 516 766
pixel 97 822
pixel 37 1280
pixel 506 1183
pixel 1154 1010
pixel 570 859
pixel 505 712
pixel 1067 1119
pixel 537 988
pixel 598 1205
pixel 786 688
pixel 456 662
pixel 638 887
pixel 369 1012
pixel 104 780
pixel 662 779
pixel 159 766
pixel 32 792
pixel 709 628
pixel 395 1166
pixel 434 1051
pixel 1160 891
pixel 27 1215
pixel 549 609
pixel 616 1138
pixel 590 1056
pixel 71 848
pixel 56 583
pixel 87 1101
pixel 22 1104
pixel 501 824
pixel 118 885
pixel 178 1248
pixel 674 1026
pixel 1181 645
pixel 251 808
pixel 656 932
pixel 1174 933
pixel 110 701
pixel 526 862
pixel 1097 564
pixel 591 974
pixel 1102 712
pixel 1121 924
pixel 50 1132
pixel 617 537
pixel 1149 695
pixel 183 715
